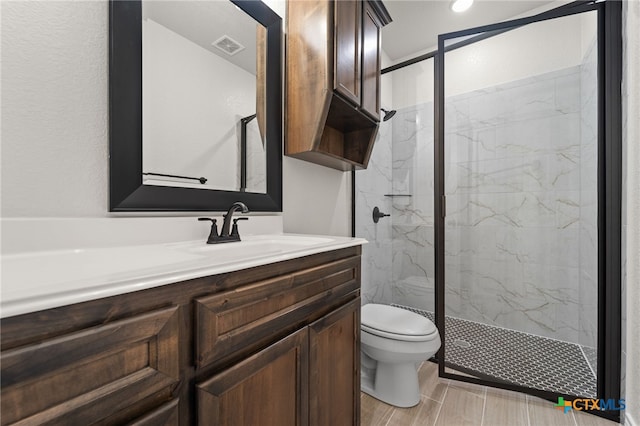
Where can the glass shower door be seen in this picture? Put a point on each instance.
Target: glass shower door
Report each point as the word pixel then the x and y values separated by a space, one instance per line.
pixel 517 183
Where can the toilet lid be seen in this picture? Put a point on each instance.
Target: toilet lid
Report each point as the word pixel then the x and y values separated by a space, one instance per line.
pixel 390 320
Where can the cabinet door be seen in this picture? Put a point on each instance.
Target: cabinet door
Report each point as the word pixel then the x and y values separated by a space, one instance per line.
pixel 109 373
pixel 249 317
pixel 334 367
pixel 370 63
pixel 347 18
pixel 269 388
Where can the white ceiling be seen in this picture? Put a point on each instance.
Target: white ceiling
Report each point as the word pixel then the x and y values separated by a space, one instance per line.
pixel 415 27
pixel 204 22
pixel 417 23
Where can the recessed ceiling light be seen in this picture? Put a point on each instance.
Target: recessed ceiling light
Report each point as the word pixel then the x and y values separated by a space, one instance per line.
pixel 461 5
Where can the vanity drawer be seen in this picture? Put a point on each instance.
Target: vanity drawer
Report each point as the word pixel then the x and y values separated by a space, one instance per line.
pixel 108 373
pixel 248 317
pixel 166 415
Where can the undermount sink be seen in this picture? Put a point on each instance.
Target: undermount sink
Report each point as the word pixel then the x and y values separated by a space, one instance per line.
pixel 252 247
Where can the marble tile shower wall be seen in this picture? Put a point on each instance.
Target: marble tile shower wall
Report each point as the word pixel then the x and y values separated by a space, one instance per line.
pixel 521 209
pixel 413 235
pixel 515 212
pixel 520 206
pixel 588 228
pixel 371 186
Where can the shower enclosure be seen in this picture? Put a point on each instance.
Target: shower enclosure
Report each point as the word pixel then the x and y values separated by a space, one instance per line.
pixel 500 177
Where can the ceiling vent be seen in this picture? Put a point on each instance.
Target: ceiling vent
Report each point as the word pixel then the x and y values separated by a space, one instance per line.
pixel 228 45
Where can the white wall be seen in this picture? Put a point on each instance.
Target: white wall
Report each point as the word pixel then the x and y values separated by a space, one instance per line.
pixel 55 109
pixel 514 55
pixel 55 124
pixel 192 103
pixel 413 85
pixel 631 217
pixel 316 199
pixel 517 54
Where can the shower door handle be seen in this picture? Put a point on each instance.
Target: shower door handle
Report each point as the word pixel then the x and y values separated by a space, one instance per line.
pixel 377 214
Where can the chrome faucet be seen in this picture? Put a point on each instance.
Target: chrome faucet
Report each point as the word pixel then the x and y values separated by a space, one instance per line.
pixel 228 233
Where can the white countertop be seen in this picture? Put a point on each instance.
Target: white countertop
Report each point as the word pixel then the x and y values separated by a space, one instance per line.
pixel 41 280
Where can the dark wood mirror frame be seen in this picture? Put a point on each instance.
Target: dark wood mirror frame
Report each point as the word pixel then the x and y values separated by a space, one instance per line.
pixel 126 191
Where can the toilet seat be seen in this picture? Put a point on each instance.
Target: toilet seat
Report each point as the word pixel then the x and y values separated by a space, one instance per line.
pixel 396 323
pixel 400 337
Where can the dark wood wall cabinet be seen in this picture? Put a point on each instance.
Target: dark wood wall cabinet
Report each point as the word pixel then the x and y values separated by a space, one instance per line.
pixel 333 80
pixel 272 345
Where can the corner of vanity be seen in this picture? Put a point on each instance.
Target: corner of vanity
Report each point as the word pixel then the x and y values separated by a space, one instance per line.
pixel 272 344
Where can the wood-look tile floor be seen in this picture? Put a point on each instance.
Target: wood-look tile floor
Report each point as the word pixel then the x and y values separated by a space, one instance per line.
pixel 452 403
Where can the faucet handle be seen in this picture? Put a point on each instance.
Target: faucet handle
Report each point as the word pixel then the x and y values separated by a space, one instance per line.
pixel 234 229
pixel 213 235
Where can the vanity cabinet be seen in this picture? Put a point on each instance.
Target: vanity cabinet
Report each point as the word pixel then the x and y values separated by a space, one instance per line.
pixel 275 344
pixel 310 377
pixel 333 80
pixel 334 373
pixel 97 374
pixel 268 388
pixel 165 415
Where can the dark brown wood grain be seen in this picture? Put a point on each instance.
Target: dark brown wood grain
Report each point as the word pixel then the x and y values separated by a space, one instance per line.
pixel 333 84
pixel 242 318
pixel 370 62
pixel 334 367
pixel 309 68
pixel 91 407
pixel 68 376
pixel 347 48
pixel 332 142
pixel 165 415
pixel 346 136
pixel 357 147
pixel 24 329
pixel 131 357
pixel 268 389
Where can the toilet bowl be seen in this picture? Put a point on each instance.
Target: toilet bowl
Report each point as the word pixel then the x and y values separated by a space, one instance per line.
pixel 394 342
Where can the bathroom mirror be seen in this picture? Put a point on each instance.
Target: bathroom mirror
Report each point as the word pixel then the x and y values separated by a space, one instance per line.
pixel 195 103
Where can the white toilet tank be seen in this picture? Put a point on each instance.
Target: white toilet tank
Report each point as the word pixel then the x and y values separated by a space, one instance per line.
pixel 415 291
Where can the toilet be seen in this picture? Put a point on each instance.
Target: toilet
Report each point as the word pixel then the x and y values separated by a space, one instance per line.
pixel 394 342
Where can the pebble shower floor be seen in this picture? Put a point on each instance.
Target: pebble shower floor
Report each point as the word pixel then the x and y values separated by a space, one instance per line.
pixel 518 358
